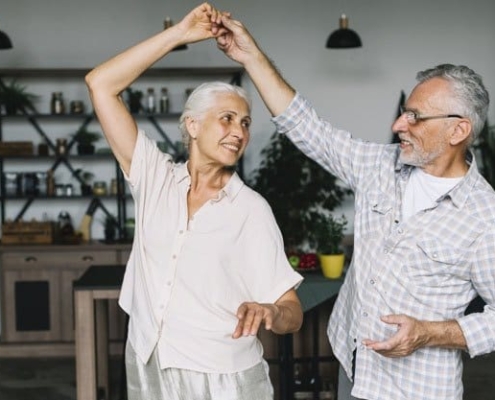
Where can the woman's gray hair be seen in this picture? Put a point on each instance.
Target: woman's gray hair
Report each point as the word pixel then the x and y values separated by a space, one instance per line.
pixel 471 98
pixel 202 99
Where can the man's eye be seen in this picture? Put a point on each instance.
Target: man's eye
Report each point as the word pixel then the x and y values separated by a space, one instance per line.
pixel 411 116
pixel 246 124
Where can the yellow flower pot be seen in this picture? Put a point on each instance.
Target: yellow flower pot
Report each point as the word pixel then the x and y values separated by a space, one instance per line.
pixel 332 265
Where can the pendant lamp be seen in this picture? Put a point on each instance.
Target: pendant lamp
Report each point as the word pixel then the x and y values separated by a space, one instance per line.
pixel 343 38
pixel 5 42
pixel 167 24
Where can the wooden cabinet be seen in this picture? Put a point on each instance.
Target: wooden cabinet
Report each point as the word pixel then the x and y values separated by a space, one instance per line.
pixel 32 305
pixel 37 306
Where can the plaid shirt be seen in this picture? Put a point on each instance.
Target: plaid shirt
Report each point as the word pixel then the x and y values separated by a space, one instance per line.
pixel 429 266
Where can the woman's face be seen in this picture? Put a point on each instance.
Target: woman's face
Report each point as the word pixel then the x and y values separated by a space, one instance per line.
pixel 221 135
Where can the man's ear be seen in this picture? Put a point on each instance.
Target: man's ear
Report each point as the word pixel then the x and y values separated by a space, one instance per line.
pixel 461 132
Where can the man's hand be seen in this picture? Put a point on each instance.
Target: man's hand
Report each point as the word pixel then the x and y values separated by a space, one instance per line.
pixel 411 335
pixel 252 315
pixel 234 39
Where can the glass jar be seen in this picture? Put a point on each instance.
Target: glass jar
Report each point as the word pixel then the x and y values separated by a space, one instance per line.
pixel 100 188
pixel 43 149
pixel 76 107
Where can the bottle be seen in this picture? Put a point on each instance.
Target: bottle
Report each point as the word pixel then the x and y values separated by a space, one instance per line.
pixel 150 101
pixel 57 104
pixel 61 147
pixel 164 102
pixel 50 183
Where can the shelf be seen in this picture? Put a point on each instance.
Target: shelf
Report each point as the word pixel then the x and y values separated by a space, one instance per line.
pixel 73 197
pixel 152 72
pixel 32 157
pixel 46 116
pixel 84 116
pixel 45 124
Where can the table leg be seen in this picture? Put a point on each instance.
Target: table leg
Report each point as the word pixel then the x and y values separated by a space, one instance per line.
pixel 85 345
pixel 286 365
pixel 101 310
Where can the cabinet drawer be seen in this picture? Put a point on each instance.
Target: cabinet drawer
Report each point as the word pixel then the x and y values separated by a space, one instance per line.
pixel 76 259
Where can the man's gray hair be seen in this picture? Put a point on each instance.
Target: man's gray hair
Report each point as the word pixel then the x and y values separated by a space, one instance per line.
pixel 202 99
pixel 471 98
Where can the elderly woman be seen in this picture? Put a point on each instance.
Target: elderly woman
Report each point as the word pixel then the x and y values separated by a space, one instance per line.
pixel 207 267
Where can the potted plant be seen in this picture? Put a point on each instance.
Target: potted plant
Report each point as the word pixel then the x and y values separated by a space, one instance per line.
pixel 326 240
pixel 85 178
pixel 327 233
pixel 297 189
pixel 85 141
pixel 134 98
pixel 15 99
pixel 485 148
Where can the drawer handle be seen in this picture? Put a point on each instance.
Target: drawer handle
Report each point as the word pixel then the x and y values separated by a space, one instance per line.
pixel 88 258
pixel 30 259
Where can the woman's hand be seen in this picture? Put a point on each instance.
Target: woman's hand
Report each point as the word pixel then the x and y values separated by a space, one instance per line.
pixel 252 315
pixel 197 25
pixel 284 316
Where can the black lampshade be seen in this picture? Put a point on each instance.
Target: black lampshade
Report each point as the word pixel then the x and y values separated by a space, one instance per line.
pixel 5 42
pixel 167 24
pixel 343 38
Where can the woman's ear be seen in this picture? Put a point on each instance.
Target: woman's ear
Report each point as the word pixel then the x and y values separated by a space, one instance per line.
pixel 192 127
pixel 461 132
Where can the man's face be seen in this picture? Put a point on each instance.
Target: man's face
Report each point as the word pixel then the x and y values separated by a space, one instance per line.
pixel 426 143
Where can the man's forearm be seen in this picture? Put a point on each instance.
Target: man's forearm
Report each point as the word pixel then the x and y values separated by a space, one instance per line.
pixel 446 334
pixel 272 87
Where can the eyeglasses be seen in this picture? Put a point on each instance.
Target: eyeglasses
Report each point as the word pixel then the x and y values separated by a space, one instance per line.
pixel 413 117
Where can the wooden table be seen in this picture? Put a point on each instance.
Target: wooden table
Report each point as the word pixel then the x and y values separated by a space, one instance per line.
pixel 91 294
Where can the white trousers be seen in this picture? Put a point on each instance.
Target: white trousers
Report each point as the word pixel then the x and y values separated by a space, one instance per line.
pixel 149 382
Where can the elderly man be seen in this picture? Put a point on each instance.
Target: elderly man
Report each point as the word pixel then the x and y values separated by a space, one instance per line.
pixel 424 229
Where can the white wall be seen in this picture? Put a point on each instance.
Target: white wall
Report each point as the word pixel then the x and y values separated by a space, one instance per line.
pixel 359 89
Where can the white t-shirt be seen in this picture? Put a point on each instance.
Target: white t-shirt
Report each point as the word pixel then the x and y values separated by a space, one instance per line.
pixel 185 281
pixel 423 190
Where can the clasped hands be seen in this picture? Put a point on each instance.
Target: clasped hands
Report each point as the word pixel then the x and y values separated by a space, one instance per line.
pixel 205 21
